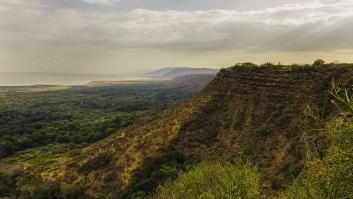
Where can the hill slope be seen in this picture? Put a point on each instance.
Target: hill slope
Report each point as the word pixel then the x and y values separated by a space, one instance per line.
pixel 180 71
pixel 195 81
pixel 257 111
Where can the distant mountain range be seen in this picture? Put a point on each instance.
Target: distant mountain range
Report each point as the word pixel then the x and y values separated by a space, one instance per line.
pixel 172 72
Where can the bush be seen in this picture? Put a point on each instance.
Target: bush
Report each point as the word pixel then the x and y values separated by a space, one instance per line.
pixel 267 64
pixel 331 177
pixel 244 65
pixel 214 180
pixel 156 172
pixel 248 64
pixel 318 62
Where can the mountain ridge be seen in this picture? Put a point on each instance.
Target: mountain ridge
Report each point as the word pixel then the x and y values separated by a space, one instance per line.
pixel 257 111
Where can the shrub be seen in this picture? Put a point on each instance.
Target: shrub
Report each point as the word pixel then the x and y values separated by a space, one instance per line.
pixel 248 64
pixel 318 62
pixel 214 180
pixel 268 64
pixel 155 172
pixel 331 177
pixel 245 65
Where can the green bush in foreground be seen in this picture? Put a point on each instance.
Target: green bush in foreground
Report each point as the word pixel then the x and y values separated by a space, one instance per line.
pixel 332 176
pixel 214 180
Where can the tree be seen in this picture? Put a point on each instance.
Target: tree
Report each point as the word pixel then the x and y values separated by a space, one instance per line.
pixel 319 62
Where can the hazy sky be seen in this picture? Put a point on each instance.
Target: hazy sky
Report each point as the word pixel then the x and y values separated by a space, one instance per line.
pixel 118 36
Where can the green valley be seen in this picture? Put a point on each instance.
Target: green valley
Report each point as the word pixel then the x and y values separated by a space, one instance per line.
pixel 252 132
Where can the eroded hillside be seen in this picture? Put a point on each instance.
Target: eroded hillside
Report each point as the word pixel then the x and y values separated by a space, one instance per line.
pixel 256 111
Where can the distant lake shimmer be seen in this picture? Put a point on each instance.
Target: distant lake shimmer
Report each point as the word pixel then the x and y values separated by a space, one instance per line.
pixel 28 79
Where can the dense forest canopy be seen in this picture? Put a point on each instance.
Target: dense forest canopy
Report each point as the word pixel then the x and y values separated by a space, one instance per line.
pixel 79 115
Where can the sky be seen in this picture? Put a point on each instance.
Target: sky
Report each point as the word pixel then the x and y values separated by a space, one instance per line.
pixel 126 36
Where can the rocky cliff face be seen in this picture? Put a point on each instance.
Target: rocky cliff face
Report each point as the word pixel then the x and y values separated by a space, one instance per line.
pixel 258 112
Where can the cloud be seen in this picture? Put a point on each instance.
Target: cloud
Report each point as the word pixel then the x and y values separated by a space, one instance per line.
pixel 100 2
pixel 38 36
pixel 272 28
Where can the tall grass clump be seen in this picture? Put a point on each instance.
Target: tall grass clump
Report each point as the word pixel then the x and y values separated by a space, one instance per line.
pixel 212 179
pixel 332 175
